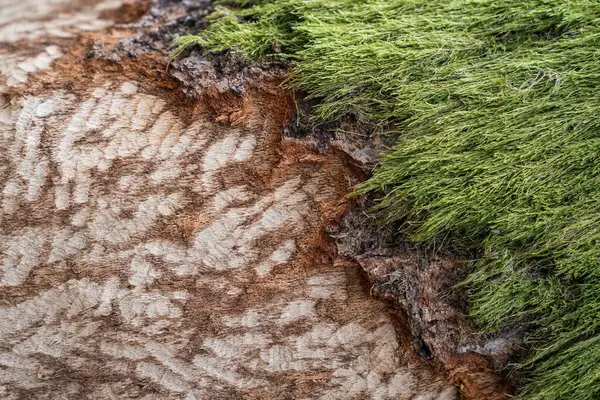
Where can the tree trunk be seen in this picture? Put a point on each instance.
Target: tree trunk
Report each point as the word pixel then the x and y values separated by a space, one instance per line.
pixel 159 238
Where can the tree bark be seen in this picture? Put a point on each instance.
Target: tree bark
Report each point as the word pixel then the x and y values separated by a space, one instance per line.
pixel 158 237
pixel 164 229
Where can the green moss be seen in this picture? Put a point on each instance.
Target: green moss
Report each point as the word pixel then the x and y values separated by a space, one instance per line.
pixel 498 107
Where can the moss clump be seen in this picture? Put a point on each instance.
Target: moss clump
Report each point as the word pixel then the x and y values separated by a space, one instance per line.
pixel 498 105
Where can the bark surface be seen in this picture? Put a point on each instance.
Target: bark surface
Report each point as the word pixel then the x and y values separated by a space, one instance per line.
pixel 159 238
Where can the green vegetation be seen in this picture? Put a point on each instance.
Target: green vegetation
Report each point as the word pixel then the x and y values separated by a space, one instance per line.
pixel 498 106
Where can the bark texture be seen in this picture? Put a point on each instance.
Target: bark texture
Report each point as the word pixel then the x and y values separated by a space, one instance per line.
pixel 419 283
pixel 159 239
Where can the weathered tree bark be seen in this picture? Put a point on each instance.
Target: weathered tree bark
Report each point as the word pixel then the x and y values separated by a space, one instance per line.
pixel 158 243
pixel 160 238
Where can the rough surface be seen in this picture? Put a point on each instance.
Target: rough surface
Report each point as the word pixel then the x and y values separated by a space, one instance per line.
pixel 419 282
pixel 159 239
pixel 33 34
